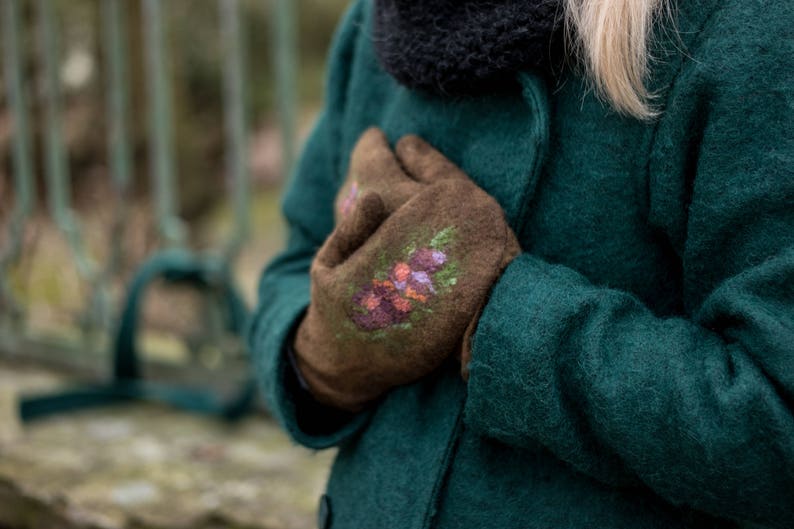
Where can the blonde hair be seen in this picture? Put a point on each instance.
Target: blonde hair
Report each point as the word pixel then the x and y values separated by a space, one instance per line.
pixel 611 38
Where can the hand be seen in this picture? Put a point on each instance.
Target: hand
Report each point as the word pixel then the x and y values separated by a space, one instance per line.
pixel 375 167
pixel 398 285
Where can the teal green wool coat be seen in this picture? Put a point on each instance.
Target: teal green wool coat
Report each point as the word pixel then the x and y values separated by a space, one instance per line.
pixel 634 366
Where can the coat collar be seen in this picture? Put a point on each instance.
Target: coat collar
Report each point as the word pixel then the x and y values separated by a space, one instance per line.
pixel 456 47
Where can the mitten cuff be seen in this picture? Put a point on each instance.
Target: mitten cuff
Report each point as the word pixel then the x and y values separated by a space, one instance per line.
pixel 293 361
pixel 512 250
pixel 308 421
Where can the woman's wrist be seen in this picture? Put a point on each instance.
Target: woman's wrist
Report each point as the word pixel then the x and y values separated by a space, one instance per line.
pixel 325 417
pixel 293 362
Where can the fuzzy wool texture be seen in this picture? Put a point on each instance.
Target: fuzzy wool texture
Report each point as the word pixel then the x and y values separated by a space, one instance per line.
pixel 358 340
pixel 457 47
pixel 634 366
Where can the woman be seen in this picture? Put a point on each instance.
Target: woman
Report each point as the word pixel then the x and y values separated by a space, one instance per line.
pixel 623 353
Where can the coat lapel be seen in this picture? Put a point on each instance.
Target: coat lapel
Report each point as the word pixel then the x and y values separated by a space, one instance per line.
pixel 499 141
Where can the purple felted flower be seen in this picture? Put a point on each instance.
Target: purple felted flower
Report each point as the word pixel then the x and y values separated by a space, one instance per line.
pixel 399 275
pixel 421 282
pixel 419 287
pixel 350 199
pixel 410 284
pixel 383 304
pixel 427 260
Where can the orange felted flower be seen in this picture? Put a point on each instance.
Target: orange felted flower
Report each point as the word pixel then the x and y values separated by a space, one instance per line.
pixel 401 304
pixel 410 293
pixel 401 271
pixel 388 285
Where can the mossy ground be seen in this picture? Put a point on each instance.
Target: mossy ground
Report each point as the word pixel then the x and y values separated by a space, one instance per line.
pixel 145 466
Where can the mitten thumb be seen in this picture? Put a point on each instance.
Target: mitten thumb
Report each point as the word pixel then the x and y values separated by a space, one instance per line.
pixel 353 230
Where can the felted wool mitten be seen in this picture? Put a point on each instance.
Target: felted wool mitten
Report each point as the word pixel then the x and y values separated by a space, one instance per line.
pixel 398 176
pixel 396 287
pixel 375 167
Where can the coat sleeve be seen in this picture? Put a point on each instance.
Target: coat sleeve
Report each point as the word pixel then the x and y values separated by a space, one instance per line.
pixel 284 286
pixel 700 407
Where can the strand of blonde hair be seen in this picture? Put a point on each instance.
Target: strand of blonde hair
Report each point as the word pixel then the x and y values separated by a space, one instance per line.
pixel 612 39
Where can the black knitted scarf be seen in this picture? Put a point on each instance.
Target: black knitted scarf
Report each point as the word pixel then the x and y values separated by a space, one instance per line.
pixel 460 47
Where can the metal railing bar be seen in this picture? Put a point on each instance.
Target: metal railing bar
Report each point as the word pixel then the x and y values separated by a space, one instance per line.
pixel 235 123
pixel 56 166
pixel 22 155
pixel 97 315
pixel 117 81
pixel 161 137
pixel 286 59
pixel 207 273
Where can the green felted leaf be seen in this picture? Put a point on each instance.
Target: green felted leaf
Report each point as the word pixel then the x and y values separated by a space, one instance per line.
pixel 411 248
pixel 447 277
pixel 443 238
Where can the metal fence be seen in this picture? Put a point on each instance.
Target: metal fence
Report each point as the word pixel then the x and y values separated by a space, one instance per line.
pixel 101 310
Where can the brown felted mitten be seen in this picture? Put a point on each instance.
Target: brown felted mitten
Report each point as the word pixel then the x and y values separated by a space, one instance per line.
pixel 396 177
pixel 397 285
pixel 375 167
